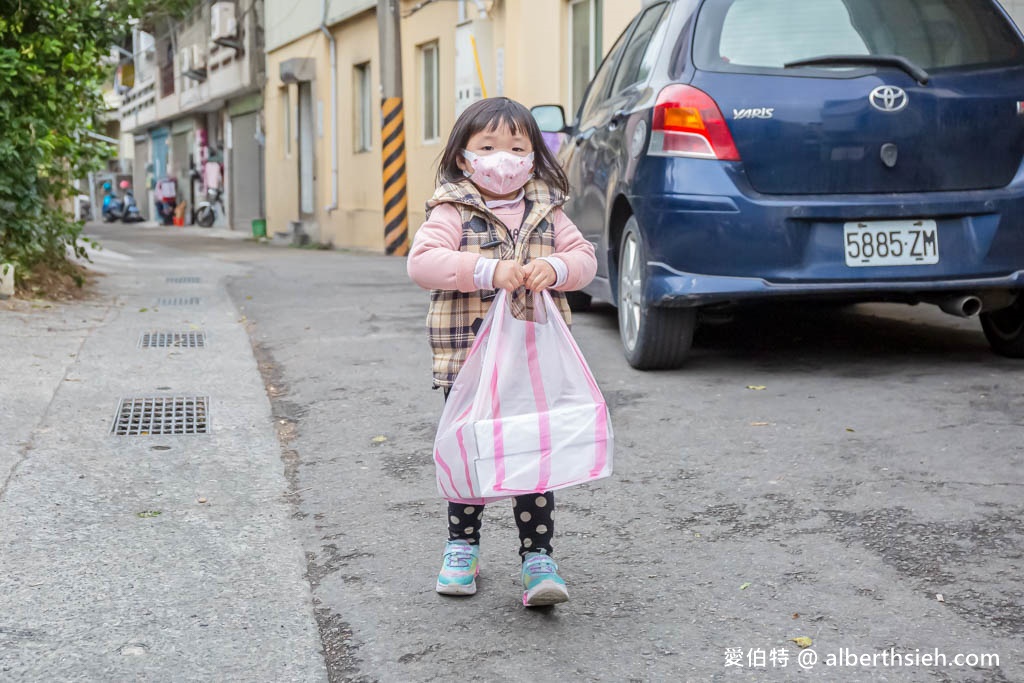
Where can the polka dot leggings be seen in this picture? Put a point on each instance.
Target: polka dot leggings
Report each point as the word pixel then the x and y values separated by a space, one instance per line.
pixel 534 515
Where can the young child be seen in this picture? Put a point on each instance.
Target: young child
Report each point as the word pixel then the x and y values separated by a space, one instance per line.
pixel 495 221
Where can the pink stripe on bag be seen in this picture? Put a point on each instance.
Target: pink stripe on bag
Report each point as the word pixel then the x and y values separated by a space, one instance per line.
pixel 444 491
pixel 541 399
pixel 601 428
pixel 499 439
pixel 465 457
pixel 481 335
pixel 444 466
pixel 601 456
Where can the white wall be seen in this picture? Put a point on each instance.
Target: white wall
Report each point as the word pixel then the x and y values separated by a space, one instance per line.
pixel 1016 10
pixel 289 20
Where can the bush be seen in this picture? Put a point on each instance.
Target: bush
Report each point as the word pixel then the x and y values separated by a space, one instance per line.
pixel 53 62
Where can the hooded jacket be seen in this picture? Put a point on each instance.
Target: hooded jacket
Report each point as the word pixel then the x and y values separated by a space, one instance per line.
pixel 459 231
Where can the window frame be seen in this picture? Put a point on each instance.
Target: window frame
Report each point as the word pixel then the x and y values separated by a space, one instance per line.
pixel 431 102
pixel 286 119
pixel 362 139
pixel 654 43
pixel 594 54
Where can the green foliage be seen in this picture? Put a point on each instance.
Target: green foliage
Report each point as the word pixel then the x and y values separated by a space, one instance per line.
pixel 153 12
pixel 52 67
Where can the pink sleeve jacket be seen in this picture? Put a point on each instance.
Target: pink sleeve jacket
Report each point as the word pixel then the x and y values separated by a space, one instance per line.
pixel 435 261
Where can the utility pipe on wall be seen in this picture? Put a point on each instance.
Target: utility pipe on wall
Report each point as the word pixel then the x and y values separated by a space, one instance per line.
pixel 333 206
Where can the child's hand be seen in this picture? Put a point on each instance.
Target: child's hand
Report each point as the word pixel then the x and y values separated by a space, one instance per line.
pixel 508 275
pixel 539 275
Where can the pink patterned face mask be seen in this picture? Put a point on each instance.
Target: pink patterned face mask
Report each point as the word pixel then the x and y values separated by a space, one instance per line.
pixel 499 173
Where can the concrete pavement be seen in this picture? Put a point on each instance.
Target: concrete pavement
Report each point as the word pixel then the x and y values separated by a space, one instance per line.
pixel 144 557
pixel 877 467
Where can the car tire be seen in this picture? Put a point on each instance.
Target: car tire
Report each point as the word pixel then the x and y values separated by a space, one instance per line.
pixel 653 338
pixel 578 301
pixel 1004 329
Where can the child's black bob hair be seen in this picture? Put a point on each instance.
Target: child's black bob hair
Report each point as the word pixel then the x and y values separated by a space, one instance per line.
pixel 490 114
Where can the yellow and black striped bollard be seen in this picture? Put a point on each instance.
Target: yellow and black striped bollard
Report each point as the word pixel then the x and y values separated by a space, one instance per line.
pixel 396 215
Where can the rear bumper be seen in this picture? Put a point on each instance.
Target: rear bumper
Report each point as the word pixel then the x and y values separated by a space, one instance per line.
pixel 710 238
pixel 672 288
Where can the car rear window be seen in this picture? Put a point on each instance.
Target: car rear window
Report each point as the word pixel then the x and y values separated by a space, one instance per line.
pixel 763 35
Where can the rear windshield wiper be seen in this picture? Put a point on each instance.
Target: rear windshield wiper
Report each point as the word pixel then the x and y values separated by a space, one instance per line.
pixel 916 72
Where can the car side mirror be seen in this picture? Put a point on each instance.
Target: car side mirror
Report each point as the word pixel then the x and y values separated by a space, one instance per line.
pixel 550 117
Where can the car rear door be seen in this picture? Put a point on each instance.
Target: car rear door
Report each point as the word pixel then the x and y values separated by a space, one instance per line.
pixel 863 128
pixel 602 143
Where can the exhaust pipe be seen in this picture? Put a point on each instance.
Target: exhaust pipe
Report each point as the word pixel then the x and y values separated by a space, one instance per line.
pixel 961 306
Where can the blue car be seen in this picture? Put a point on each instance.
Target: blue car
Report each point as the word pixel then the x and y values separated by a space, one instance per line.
pixel 729 151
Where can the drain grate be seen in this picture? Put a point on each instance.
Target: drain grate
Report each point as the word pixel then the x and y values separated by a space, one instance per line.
pixel 153 416
pixel 179 301
pixel 184 280
pixel 163 340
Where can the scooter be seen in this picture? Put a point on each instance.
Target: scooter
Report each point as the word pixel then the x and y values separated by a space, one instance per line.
pixel 205 212
pixel 131 213
pixel 113 207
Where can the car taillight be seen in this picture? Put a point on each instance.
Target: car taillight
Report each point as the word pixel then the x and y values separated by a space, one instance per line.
pixel 688 123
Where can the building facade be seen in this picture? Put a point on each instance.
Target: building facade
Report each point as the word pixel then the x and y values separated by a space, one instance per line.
pixel 534 51
pixel 322 97
pixel 193 114
pixel 1016 10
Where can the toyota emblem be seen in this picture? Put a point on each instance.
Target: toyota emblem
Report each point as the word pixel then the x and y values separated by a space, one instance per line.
pixel 888 98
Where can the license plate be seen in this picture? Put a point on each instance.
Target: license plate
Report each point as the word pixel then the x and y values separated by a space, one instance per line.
pixel 891 243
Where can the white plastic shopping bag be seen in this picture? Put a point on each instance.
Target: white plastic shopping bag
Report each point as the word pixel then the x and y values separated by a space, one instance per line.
pixel 525 414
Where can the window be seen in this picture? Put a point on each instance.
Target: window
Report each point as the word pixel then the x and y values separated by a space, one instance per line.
pixel 286 120
pixel 763 35
pixel 429 95
pixel 585 45
pixel 364 108
pixel 167 69
pixel 639 56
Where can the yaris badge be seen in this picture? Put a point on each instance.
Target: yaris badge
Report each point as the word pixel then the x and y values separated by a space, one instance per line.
pixel 888 98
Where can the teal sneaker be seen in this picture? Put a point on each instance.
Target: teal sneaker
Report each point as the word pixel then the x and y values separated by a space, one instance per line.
pixel 541 583
pixel 458 573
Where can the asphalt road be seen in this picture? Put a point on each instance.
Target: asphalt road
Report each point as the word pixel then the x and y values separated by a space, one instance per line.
pixel 852 476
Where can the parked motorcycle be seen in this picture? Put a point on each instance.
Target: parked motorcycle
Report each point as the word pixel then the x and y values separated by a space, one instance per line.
pixel 205 211
pixel 124 209
pixel 113 208
pixel 131 212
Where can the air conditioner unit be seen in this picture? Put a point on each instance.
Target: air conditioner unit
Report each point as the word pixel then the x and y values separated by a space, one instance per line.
pixel 185 59
pixel 223 22
pixel 198 57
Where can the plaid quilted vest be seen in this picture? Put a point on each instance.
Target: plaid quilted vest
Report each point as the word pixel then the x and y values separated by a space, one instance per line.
pixel 455 317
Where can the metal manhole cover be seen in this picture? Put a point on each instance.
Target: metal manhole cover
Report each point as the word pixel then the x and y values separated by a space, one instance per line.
pixel 184 280
pixel 162 340
pixel 179 301
pixel 156 416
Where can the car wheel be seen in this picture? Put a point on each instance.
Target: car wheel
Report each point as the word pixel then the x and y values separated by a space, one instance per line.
pixel 1004 329
pixel 578 301
pixel 653 338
